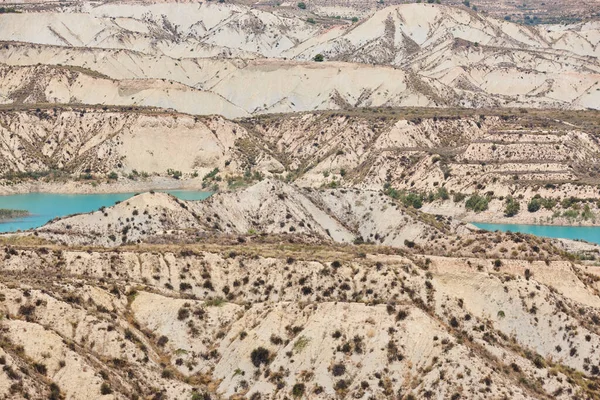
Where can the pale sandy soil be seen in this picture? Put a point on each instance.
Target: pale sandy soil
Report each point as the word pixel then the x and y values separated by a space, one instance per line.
pixel 122 186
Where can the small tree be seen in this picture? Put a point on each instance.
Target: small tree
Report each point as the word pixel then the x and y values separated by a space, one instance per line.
pixel 302 6
pixel 534 205
pixel 512 207
pixel 319 58
pixel 477 203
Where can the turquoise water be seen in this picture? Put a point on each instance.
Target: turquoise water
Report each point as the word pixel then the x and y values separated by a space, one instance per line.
pixel 45 206
pixel 587 233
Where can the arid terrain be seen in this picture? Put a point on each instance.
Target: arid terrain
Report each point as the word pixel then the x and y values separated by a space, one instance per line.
pixel 349 146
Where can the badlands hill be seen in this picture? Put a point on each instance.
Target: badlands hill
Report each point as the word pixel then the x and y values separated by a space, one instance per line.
pixel 268 208
pixel 263 321
pixel 550 11
pixel 447 154
pixel 198 58
pixel 333 261
pixel 273 211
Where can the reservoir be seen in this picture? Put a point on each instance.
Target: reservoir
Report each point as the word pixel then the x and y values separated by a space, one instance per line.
pixel 46 206
pixel 587 233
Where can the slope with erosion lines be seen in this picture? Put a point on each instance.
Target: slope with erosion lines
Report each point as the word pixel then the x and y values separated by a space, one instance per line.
pixel 64 85
pixel 551 153
pixel 449 57
pixel 290 87
pixel 74 140
pixel 268 207
pixel 170 322
pixel 281 33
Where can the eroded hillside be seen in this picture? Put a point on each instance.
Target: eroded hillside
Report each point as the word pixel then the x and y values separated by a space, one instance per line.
pixel 255 320
pixel 441 156
pixel 198 58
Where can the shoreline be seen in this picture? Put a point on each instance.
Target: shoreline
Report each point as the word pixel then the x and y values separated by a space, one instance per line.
pixel 474 223
pixel 494 215
pixel 118 187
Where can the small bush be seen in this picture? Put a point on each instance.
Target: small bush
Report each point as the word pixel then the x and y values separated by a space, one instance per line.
pixel 105 389
pixel 534 205
pixel 40 368
pixel 183 313
pixel 512 207
pixel 338 370
pixel 259 356
pixel 162 341
pixel 458 197
pixel 298 390
pixel 401 316
pixel 477 203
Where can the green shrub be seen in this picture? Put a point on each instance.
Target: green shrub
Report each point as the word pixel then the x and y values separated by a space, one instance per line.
pixel 211 175
pixel 105 389
pixel 569 202
pixel 302 6
pixel 412 199
pixel 319 58
pixel 409 199
pixel 549 204
pixel 298 390
pixel 587 213
pixel 259 356
pixel 174 173
pixel 534 205
pixel 458 197
pixel 477 203
pixel 512 207
pixel 442 193
pixel 572 214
